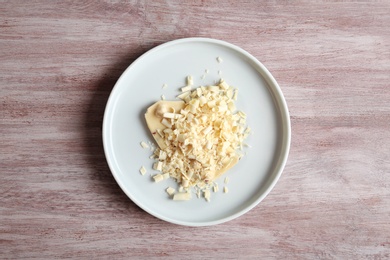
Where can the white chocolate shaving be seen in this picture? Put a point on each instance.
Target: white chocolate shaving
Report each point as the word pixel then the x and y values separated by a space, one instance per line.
pixel 182 196
pixel 142 170
pixel 190 81
pixel 166 123
pixel 158 177
pixel 144 145
pixel 184 95
pixel 207 195
pixel 169 115
pixel 223 85
pixel 186 88
pixel 235 95
pixel 162 156
pixel 170 191
pixel 158 166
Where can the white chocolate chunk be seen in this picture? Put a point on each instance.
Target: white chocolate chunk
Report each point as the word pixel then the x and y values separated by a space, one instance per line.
pixel 154 115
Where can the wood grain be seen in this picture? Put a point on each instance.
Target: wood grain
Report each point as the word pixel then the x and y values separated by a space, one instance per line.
pixel 59 61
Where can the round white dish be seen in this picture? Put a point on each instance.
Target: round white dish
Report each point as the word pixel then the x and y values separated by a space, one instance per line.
pixel 259 97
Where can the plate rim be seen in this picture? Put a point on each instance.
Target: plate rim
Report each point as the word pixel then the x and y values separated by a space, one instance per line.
pixel 280 103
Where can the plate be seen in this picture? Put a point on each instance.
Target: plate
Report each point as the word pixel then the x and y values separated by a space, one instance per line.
pixel 259 97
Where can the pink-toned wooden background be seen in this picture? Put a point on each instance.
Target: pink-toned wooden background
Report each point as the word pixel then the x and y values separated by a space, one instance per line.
pixel 59 61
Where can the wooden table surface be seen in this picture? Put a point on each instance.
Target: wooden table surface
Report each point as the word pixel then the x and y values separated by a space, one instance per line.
pixel 59 60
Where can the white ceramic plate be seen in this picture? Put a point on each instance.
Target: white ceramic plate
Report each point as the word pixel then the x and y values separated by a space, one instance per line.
pixel 259 96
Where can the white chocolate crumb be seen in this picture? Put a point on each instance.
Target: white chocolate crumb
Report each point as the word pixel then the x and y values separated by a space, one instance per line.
pixel 225 189
pixel 165 85
pixel 219 59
